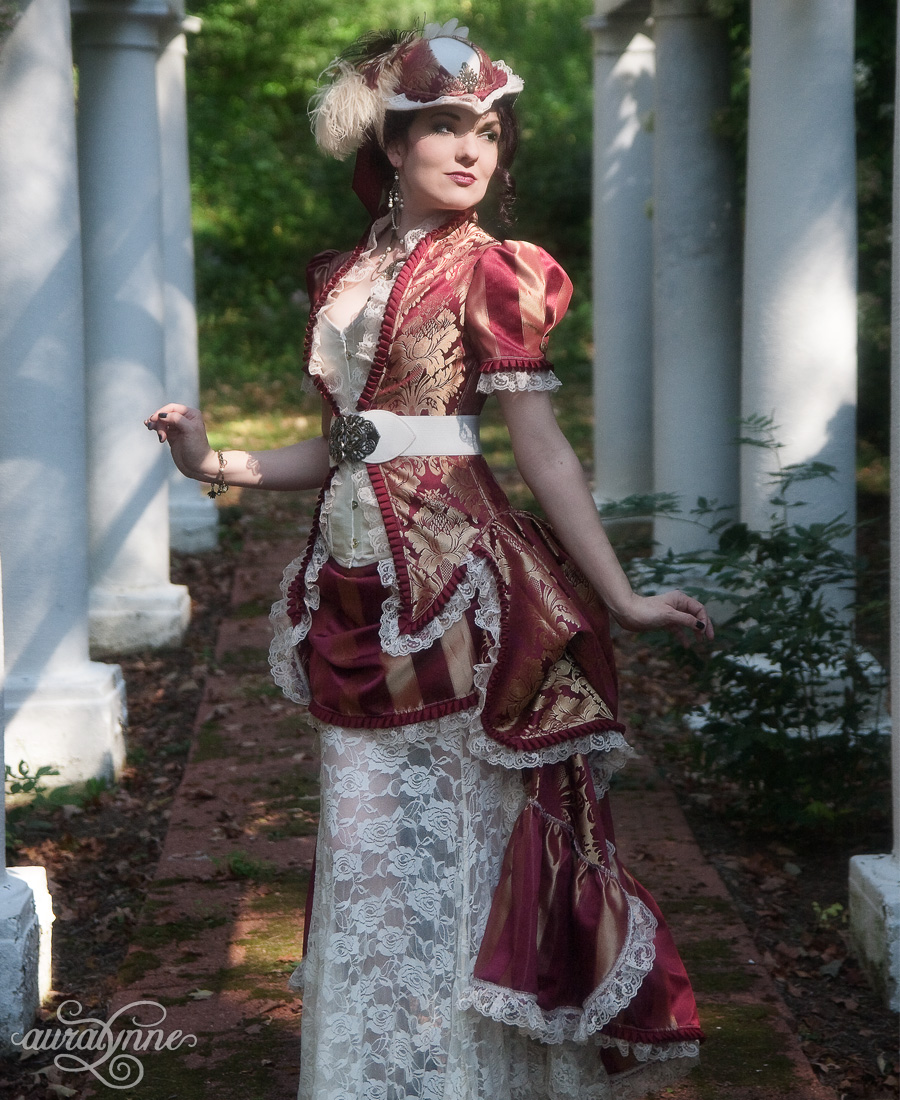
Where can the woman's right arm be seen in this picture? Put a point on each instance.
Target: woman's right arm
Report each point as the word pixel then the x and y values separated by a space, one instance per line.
pixel 303 465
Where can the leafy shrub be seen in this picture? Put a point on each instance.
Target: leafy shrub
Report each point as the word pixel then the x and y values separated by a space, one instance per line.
pixel 793 728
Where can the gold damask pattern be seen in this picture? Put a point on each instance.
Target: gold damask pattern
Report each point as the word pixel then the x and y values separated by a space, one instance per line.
pixel 440 510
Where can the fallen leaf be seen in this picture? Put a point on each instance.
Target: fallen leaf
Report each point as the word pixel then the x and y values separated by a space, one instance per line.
pixel 201 994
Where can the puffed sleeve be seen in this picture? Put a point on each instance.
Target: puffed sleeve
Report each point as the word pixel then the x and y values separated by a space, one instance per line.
pixel 517 296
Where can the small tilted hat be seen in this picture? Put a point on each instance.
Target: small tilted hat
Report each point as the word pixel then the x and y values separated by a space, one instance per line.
pixel 390 71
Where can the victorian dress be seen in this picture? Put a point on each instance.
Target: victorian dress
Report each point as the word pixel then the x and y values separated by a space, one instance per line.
pixel 471 933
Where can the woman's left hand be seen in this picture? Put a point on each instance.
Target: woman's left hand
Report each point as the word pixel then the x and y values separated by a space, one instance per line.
pixel 675 611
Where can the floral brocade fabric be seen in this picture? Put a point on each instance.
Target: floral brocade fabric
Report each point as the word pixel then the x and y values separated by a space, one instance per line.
pixel 465 308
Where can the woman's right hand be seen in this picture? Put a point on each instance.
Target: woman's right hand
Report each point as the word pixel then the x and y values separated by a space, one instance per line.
pixel 183 429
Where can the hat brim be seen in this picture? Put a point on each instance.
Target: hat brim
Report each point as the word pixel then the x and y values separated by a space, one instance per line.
pixel 513 86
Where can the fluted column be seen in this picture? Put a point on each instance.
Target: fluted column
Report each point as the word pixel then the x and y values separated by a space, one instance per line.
pixel 622 257
pixel 61 709
pixel 133 605
pixel 192 515
pixel 875 879
pixel 800 253
pixel 19 928
pixel 696 285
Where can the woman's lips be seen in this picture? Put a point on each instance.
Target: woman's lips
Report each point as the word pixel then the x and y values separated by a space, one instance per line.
pixel 464 179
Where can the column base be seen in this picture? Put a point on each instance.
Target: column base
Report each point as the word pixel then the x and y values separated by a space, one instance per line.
pixel 126 621
pixel 35 878
pixel 875 922
pixel 193 519
pixel 73 723
pixel 20 937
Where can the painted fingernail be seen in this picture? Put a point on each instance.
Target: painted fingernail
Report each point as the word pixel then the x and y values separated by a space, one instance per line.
pixel 700 624
pixel 162 416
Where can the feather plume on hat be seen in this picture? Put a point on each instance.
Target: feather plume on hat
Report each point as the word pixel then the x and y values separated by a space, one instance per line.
pixel 361 80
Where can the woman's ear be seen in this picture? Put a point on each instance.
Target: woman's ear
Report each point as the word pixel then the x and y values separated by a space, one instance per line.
pixel 395 154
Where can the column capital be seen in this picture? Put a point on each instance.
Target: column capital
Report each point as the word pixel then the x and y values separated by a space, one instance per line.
pixel 119 9
pixel 631 9
pixel 679 9
pixel 126 24
pixel 172 34
pixel 614 33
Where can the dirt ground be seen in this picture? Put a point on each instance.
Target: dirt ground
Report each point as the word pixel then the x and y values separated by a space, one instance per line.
pixel 101 851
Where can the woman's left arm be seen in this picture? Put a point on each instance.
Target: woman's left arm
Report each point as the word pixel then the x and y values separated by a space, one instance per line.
pixel 552 472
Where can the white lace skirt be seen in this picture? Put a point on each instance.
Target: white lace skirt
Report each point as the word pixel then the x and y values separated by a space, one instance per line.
pixel 410 846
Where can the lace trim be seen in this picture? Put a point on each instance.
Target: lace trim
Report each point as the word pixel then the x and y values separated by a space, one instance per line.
pixel 611 743
pixel 653 1076
pixel 401 645
pixel 287 672
pixel 519 381
pixel 614 993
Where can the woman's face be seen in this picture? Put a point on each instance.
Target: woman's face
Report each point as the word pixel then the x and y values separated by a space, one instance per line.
pixel 446 160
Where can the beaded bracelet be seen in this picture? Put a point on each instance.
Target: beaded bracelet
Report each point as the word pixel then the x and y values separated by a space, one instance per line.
pixel 219 487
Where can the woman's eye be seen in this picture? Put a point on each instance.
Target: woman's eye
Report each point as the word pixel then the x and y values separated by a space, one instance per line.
pixel 491 135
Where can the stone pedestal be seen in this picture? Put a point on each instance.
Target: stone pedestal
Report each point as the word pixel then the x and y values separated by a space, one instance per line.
pixel 20 941
pixel 61 709
pixel 800 255
pixel 132 604
pixel 192 515
pixel 696 284
pixel 622 257
pixel 875 921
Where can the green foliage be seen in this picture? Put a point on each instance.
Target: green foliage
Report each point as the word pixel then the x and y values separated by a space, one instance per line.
pixel 792 726
pixel 240 865
pixel 265 200
pixel 23 783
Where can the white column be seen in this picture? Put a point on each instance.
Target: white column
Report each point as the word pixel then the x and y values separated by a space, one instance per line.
pixel 622 257
pixel 696 288
pixel 800 253
pixel 61 709
pixel 19 928
pixel 133 605
pixel 875 880
pixel 192 515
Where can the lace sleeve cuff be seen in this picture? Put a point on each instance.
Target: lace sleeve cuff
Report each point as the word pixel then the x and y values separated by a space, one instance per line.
pixel 518 381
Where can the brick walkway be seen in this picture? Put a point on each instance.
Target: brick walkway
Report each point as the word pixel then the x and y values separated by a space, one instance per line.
pixel 221 927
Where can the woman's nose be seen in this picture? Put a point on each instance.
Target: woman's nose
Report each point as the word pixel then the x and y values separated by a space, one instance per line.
pixel 467 150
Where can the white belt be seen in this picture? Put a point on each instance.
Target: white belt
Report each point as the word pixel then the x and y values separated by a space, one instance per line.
pixel 379 435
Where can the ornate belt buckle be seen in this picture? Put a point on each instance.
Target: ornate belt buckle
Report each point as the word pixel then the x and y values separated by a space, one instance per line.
pixel 351 438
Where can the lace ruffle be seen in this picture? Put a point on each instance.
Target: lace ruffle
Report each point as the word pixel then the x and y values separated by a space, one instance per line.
pixel 401 645
pixel 607 1001
pixel 519 381
pixel 287 671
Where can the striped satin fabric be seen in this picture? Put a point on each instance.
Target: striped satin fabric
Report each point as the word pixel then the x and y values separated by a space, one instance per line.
pixel 353 683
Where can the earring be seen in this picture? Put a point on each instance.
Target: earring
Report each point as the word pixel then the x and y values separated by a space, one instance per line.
pixel 395 202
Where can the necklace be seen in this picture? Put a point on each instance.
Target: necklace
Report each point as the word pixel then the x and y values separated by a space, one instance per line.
pixel 389 262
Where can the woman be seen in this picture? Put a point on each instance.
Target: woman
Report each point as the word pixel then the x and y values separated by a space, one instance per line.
pixel 471 932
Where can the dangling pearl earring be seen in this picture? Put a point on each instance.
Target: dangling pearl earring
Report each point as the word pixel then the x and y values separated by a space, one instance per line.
pixel 395 202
